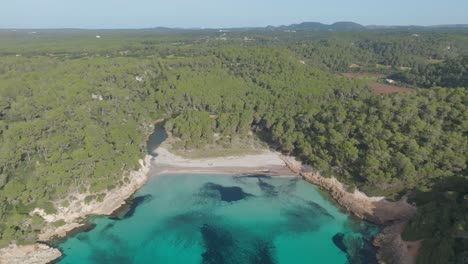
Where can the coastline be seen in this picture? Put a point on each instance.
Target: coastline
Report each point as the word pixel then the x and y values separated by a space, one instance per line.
pixel 393 216
pixel 74 216
pixel 265 163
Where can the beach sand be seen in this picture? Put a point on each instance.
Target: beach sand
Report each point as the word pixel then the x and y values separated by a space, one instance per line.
pixel 267 163
pixel 373 209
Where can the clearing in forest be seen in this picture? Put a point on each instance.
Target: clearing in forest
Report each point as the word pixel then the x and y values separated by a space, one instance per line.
pixel 386 88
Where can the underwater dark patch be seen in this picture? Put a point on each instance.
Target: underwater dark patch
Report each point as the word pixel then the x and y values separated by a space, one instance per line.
pixel 358 250
pixel 194 218
pixel 223 246
pixel 258 176
pixel 245 178
pixel 82 237
pixel 107 227
pixel 199 219
pixel 130 207
pixel 184 228
pixel 226 194
pixel 338 241
pixel 116 241
pixel 267 188
pixel 79 233
pixel 188 218
pixel 86 228
pixel 135 202
pixel 319 209
pixel 217 243
pixel 299 222
pixel 364 253
pixel 305 218
pixel 289 186
pixel 367 253
pixel 82 233
pixel 264 253
pixel 103 256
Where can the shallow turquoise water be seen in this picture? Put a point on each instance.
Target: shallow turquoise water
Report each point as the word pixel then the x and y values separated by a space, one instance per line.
pixel 224 219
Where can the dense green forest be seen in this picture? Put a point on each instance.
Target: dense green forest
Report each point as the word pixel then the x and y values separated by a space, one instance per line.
pixel 75 110
pixel 450 73
pixel 444 233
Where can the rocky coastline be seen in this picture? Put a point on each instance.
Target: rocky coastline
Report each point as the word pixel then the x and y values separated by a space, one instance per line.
pixel 392 216
pixel 73 217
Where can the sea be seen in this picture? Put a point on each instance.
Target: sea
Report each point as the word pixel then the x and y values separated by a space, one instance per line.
pixel 222 219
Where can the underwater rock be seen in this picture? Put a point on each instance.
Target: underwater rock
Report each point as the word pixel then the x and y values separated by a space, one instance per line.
pixel 226 194
pixel 130 207
pixel 267 188
pixel 338 241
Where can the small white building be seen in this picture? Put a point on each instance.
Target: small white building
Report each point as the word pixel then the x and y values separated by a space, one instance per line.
pixel 98 37
pixel 390 81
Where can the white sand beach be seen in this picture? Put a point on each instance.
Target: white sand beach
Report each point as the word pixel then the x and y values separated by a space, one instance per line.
pixel 267 162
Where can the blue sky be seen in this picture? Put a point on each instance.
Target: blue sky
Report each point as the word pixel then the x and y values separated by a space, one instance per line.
pixel 225 13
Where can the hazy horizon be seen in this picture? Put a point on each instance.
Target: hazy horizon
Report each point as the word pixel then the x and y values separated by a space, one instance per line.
pixel 125 14
pixel 214 27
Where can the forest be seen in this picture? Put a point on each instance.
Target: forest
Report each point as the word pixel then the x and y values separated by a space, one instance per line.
pixel 75 111
pixel 450 73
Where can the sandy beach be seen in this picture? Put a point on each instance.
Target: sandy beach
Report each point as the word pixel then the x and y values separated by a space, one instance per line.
pixel 267 162
pixel 393 216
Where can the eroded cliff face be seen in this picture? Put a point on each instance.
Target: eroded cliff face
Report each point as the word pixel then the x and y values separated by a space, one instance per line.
pixel 392 247
pixel 33 254
pixel 392 215
pixel 73 217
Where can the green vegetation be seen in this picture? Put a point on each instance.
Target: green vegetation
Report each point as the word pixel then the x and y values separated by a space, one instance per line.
pixel 450 73
pixel 74 112
pixel 56 139
pixel 383 144
pixel 441 222
pixel 381 52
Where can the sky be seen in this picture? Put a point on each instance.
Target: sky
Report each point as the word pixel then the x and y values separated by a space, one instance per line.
pixel 225 13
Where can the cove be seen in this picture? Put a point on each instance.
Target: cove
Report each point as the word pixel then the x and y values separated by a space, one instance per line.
pixel 197 218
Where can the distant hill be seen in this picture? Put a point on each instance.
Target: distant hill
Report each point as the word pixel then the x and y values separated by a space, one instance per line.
pixel 344 26
pixel 352 26
pixel 317 26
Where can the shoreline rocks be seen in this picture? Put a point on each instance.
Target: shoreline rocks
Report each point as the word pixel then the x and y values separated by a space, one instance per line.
pixel 393 216
pixel 74 216
pixel 34 254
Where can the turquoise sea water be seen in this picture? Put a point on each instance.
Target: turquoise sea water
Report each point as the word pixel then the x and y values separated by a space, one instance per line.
pixel 224 219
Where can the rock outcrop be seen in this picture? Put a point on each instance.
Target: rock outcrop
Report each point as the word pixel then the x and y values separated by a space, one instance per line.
pixel 393 216
pixel 73 217
pixel 33 254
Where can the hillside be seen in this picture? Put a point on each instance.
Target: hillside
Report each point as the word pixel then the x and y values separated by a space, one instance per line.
pixel 75 111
